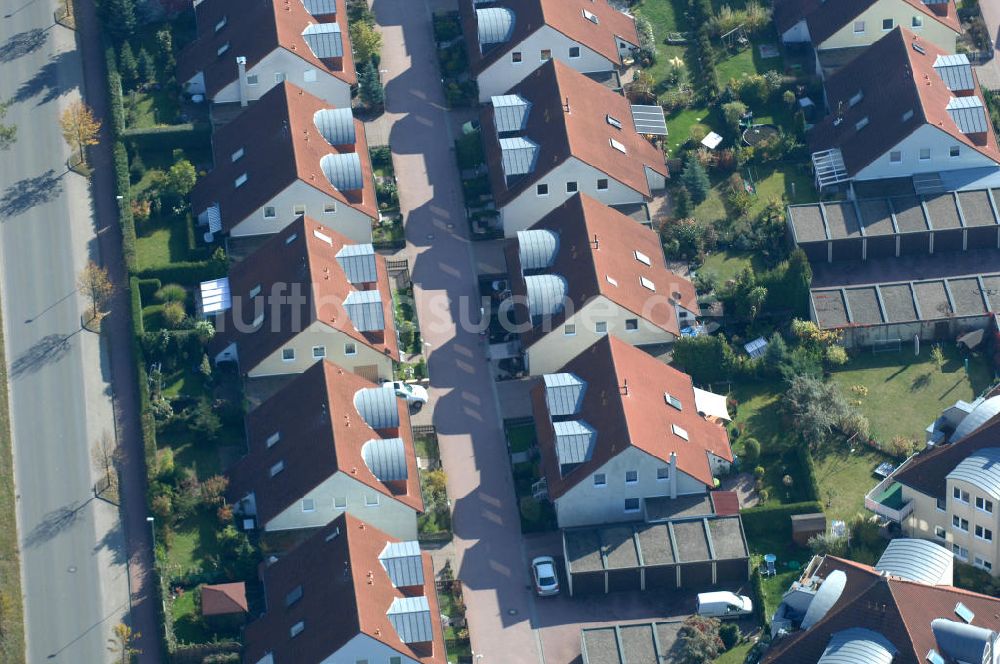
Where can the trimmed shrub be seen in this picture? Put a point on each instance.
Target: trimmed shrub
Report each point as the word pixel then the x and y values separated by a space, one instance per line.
pixel 171 293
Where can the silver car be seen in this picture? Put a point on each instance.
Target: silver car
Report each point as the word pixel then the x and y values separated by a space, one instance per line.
pixel 543 571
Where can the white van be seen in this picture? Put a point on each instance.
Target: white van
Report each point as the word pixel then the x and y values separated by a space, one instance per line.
pixel 724 605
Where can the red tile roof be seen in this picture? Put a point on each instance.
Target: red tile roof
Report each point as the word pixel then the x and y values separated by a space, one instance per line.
pixel 296 259
pixel 641 418
pixel 345 592
pixel 583 132
pixel 564 16
pixel 579 222
pixel 900 610
pixel 321 434
pixel 894 79
pixel 223 599
pixel 280 145
pixel 254 30
pixel 826 18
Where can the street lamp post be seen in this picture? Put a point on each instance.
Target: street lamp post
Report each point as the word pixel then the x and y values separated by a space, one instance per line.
pixel 152 531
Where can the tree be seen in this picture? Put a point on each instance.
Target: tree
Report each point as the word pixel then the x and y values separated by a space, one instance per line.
pixel 165 51
pixel 8 133
pixel 707 358
pixel 751 451
pixel 698 640
pixel 96 285
pixel 937 356
pixel 366 40
pixel 181 178
pixel 733 112
pixel 815 408
pixel 122 643
pixel 79 127
pixel 695 180
pixel 682 202
pixel 730 635
pixel 128 66
pixel 369 87
pixel 119 18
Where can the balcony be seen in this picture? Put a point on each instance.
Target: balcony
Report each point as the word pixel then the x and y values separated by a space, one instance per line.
pixel 886 499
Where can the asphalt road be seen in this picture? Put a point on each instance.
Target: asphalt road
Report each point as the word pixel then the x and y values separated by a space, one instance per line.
pixel 72 556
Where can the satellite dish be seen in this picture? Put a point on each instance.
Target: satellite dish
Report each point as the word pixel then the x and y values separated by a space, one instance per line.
pixel 827 595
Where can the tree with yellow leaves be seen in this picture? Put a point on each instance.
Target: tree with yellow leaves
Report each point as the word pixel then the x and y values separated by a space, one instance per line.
pixel 79 127
pixel 96 285
pixel 122 643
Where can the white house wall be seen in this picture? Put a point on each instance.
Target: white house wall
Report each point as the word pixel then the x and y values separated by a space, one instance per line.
pixel 363 648
pixel 798 33
pixel 347 220
pixel 586 504
pixel 555 349
pixel 528 208
pixel 327 87
pixel 504 74
pixel 389 515
pixel 321 334
pixel 902 14
pixel 926 136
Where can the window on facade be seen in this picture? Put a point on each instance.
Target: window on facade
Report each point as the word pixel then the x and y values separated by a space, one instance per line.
pixel 319 352
pixel 954 151
pixel 887 24
pixel 859 27
pixel 601 326
pixel 940 532
pixel 515 57
pixel 631 324
pixel 574 51
pixel 984 505
pixel 982 563
pixel 308 505
pixel 298 209
pixel 252 79
pixel 371 500
pixel 350 348
pixel 631 476
pixel 279 76
pixel 340 503
pixel 960 523
pixel 236 156
pixel 569 330
pixel 270 212
pixel 287 354
pixel 395 659
pixel 297 629
pixel 602 184
pixel 273 439
pixel 917 22
pixel 925 154
pixel 542 190
pixel 959 495
pixel 600 479
pixel 631 504
pixel 984 534
pixel 329 208
pixel 546 54
pixel 309 76
pixel 663 473
pixel 941 504
pixel 895 157
pixel 960 552
pixel 571 187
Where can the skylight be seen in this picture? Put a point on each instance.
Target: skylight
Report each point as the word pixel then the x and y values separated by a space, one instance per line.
pixel 672 400
pixel 907 115
pixel 933 657
pixel 614 122
pixel 642 258
pixel 679 432
pixel 856 99
pixel 617 145
pixel 323 237
pixel 647 283
pixel 861 124
pixel 591 16
pixel 964 612
pixel 611 280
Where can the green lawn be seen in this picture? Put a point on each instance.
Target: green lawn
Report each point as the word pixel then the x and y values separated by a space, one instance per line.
pixel 736 655
pixel 665 16
pixel 776 586
pixel 521 438
pixel 844 477
pixel 188 625
pixel 426 447
pixel 748 60
pixel 906 393
pixel 193 541
pixel 184 383
pixel 680 124
pixel 787 182
pixel 153 108
pixel 726 264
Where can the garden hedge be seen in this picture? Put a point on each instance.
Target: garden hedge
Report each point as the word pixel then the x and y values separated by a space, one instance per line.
pixel 169 138
pixel 762 521
pixel 809 467
pixel 189 273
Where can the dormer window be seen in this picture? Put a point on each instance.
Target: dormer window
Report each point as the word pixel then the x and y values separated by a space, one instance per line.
pixel 856 99
pixel 861 124
pixel 591 16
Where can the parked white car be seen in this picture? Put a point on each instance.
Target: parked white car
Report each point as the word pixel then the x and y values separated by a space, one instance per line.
pixel 415 395
pixel 724 605
pixel 543 572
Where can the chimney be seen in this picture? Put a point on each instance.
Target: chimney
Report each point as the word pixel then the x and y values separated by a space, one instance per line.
pixel 241 66
pixel 673 475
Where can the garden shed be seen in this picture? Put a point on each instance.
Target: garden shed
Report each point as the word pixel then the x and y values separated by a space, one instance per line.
pixel 805 526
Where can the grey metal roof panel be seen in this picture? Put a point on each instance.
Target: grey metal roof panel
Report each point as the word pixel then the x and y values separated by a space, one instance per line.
pixel 519 155
pixel 983 412
pixel 358 263
pixel 649 120
pixel 324 40
pixel 564 393
pixel 386 458
pixel 918 560
pixel 365 310
pixel 411 618
pixel 981 469
pixel 857 644
pixel 955 71
pixel 403 564
pixel 495 25
pixel 826 597
pixel 575 441
pixel 510 112
pixel 961 642
pixel 546 294
pixel 336 125
pixel 969 114
pixel 537 249
pixel 320 7
pixel 343 171
pixel 377 407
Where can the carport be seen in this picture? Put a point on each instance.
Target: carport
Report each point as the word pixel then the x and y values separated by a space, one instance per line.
pixel 641 643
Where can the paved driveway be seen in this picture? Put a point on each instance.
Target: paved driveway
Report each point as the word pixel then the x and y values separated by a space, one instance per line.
pixel 487 532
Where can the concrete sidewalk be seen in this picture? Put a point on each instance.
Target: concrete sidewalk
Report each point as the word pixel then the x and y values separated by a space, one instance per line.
pixel 487 544
pixel 989 73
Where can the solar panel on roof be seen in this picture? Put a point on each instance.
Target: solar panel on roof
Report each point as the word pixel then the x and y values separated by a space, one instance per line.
pixel 336 125
pixel 510 112
pixel 324 40
pixel 649 120
pixel 365 310
pixel 968 113
pixel 343 171
pixel 519 155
